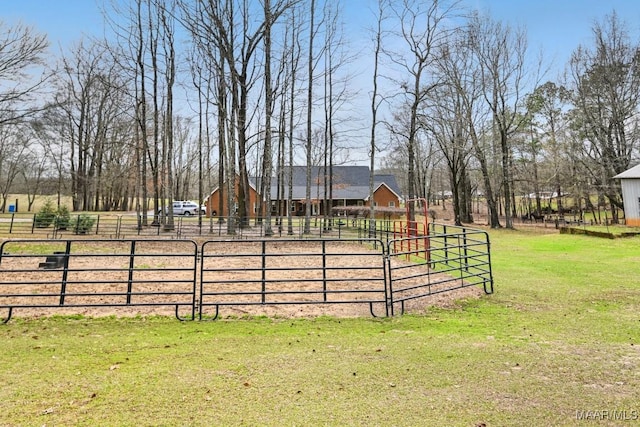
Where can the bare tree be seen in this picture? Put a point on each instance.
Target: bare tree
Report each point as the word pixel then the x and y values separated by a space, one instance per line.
pixel 167 26
pixel 22 51
pixel 13 149
pixel 501 53
pixel 220 91
pixel 375 106
pixel 287 70
pixel 337 98
pixel 235 31
pixel 292 78
pixel 87 98
pixel 546 107
pixel 268 112
pixel 606 82
pixel 423 27
pixel 137 29
pixel 33 173
pixel 22 54
pixel 50 134
pixel 330 41
pixel 202 86
pixel 311 64
pixel 445 119
pixel 136 37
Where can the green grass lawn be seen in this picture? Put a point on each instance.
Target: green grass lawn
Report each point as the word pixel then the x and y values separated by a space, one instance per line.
pixel 560 337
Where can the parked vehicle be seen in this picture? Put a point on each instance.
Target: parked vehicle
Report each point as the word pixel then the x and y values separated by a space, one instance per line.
pixel 186 208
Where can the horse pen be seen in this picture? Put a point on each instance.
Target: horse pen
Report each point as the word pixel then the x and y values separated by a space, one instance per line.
pixel 205 279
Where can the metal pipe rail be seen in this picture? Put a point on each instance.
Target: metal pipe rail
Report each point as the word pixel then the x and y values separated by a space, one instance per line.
pixel 130 226
pixel 176 273
pixel 453 260
pixel 293 272
pixel 98 273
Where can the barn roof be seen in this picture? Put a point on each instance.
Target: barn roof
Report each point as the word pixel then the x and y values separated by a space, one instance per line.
pixel 633 173
pixel 349 182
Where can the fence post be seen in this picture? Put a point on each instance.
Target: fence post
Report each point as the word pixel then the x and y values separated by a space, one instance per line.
pixel 132 256
pixel 466 254
pixel 65 271
pixel 446 244
pixel 264 271
pixel 118 218
pixel 324 270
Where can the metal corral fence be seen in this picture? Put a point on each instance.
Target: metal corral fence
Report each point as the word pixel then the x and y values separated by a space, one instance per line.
pixel 130 225
pixel 449 258
pixel 181 277
pixel 98 273
pixel 294 272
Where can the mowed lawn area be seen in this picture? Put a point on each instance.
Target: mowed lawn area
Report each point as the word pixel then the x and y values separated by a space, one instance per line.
pixel 557 344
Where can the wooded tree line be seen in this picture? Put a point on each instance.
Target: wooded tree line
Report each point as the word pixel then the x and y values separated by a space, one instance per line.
pixel 184 96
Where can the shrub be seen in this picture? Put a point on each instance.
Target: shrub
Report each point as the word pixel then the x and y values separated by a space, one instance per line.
pixel 82 224
pixel 62 218
pixel 45 215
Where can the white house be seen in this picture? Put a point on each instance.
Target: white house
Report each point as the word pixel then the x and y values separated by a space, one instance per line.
pixel 630 181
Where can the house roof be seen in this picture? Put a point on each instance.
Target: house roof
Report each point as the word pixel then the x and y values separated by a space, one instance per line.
pixel 633 173
pixel 349 182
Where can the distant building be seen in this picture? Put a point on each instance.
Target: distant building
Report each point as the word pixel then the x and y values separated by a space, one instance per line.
pixel 630 181
pixel 350 187
pixel 212 201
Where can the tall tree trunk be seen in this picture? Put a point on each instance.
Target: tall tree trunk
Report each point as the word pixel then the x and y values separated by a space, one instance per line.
pixel 170 72
pixel 307 217
pixel 374 117
pixel 268 102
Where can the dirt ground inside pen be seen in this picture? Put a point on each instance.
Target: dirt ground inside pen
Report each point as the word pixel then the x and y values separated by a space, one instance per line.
pixel 16 270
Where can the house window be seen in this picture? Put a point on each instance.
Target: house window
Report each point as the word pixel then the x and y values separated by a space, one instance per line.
pixel 360 203
pixel 375 204
pixel 392 204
